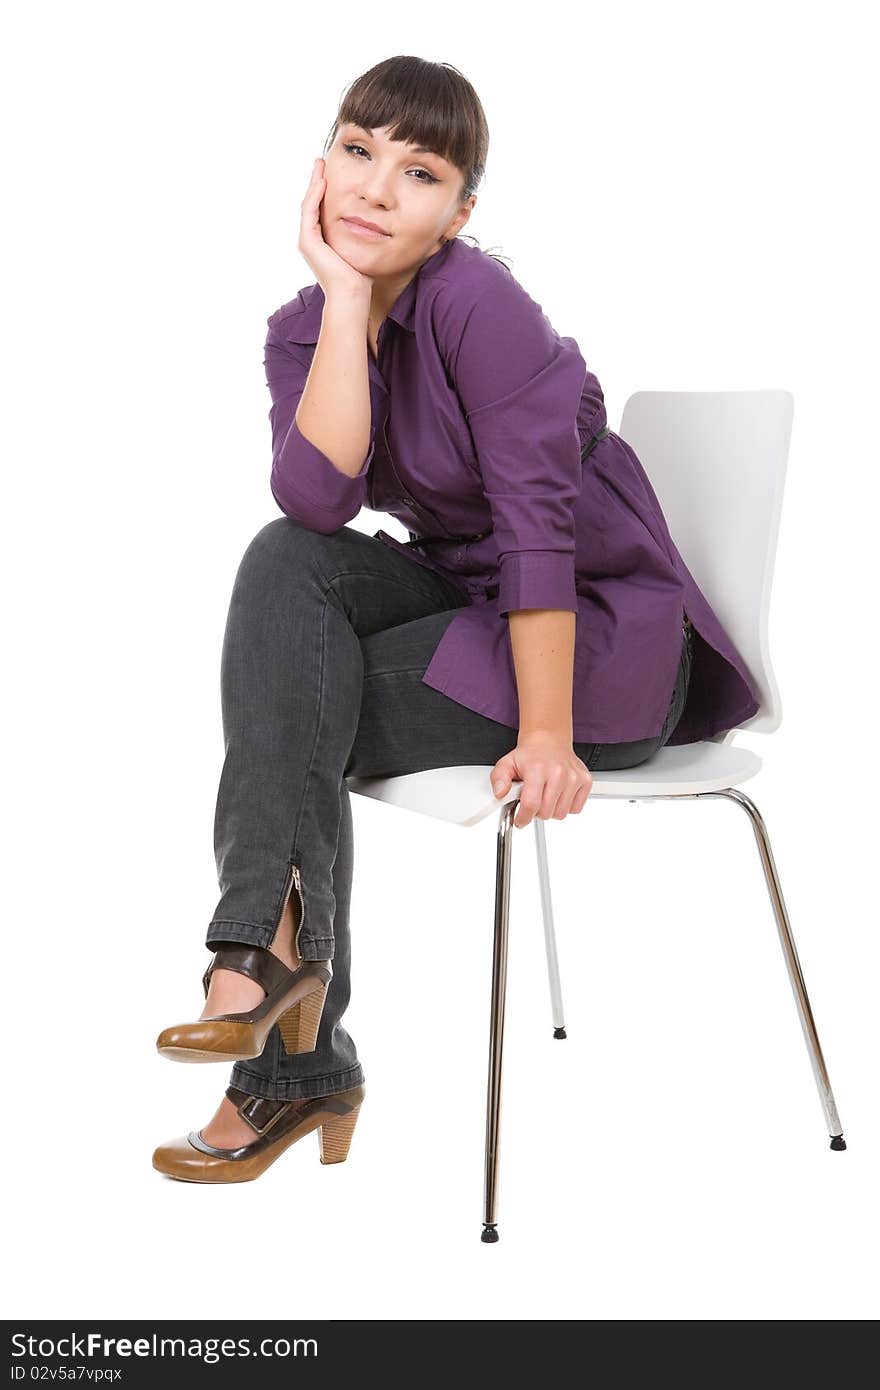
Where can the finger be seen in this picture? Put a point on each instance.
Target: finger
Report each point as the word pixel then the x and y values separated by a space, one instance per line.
pixel 570 787
pixel 313 180
pixel 554 786
pixel 502 779
pixel 313 192
pixel 310 219
pixel 563 805
pixel 579 800
pixel 530 800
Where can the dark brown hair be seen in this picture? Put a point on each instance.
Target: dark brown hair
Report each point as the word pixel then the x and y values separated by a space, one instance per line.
pixel 430 104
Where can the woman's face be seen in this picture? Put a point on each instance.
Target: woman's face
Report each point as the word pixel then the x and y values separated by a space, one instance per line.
pixel 412 195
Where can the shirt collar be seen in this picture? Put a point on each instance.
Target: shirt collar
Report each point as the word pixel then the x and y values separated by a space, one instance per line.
pixel 304 326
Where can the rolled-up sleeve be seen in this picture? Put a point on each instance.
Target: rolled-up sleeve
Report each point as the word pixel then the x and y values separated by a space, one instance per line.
pixel 305 483
pixel 520 384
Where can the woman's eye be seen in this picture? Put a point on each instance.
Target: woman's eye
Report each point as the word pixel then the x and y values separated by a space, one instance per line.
pixel 429 178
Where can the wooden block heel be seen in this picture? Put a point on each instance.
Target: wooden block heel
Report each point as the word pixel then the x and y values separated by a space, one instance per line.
pixel 299 1026
pixel 336 1135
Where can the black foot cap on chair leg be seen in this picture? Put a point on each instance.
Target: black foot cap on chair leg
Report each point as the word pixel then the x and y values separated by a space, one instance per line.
pixel 559 1033
pixel 838 1141
pixel 490 1235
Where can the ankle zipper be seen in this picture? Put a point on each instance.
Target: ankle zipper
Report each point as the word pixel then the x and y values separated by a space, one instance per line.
pixel 293 878
pixel 302 908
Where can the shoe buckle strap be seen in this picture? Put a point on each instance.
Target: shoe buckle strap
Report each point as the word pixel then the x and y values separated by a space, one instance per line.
pixel 260 1112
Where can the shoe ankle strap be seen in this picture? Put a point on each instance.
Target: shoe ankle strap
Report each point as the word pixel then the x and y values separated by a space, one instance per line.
pixel 257 962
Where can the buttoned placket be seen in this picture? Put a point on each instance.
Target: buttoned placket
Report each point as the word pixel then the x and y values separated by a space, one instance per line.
pixel 419 508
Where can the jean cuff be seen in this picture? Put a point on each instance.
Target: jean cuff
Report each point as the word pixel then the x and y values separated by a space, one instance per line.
pixel 247 932
pixel 306 1089
pixel 310 948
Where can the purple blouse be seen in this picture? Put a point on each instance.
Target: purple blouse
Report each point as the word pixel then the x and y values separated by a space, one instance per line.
pixel 480 411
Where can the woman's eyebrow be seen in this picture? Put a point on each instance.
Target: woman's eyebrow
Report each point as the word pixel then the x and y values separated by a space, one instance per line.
pixel 415 149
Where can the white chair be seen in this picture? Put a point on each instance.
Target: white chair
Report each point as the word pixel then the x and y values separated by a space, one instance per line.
pixel 717 462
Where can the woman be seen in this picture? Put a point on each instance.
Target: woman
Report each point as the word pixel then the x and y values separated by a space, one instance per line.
pixel 540 619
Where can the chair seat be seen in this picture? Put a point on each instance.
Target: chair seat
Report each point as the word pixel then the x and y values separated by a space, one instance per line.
pixel 463 795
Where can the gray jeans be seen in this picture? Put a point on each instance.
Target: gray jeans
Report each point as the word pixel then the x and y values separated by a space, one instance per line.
pixel 326 641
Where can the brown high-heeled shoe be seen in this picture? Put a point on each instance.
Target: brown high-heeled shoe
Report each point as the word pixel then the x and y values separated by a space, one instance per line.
pixel 279 1123
pixel 294 1000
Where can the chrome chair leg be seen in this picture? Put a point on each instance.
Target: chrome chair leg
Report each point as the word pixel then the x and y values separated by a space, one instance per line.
pixel 504 849
pixel 549 930
pixel 795 974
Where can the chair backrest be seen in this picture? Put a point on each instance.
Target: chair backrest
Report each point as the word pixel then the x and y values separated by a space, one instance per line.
pixel 717 461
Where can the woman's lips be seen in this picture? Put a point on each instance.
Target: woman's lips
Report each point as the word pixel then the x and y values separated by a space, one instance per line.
pixel 364 231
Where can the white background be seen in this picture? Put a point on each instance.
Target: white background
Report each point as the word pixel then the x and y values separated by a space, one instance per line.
pixel 687 190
